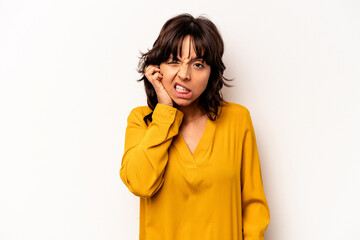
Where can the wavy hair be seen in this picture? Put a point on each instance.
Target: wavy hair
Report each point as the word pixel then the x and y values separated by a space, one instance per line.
pixel 208 45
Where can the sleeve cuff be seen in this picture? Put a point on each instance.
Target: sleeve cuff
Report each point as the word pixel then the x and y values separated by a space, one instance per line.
pixel 166 114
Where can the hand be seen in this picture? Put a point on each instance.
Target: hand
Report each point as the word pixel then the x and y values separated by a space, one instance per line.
pixel 152 73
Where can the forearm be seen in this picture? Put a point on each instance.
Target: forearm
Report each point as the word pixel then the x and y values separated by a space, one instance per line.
pixel 145 159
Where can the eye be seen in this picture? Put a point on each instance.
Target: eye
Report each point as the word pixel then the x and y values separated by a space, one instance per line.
pixel 199 65
pixel 172 62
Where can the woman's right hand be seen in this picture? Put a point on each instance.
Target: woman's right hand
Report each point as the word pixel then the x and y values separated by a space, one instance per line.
pixel 152 73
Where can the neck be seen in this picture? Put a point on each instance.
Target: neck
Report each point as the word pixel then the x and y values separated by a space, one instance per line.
pixel 191 112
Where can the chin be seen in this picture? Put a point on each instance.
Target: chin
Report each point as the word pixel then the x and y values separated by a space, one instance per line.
pixel 183 102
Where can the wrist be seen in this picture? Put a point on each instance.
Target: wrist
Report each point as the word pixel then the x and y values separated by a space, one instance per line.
pixel 166 103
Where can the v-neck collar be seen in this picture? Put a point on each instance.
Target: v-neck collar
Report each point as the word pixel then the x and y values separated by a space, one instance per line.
pixel 203 146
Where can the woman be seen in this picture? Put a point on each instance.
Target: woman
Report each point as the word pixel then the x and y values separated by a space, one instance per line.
pixel 189 155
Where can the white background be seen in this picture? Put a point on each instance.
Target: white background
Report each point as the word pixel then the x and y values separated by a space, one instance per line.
pixel 68 82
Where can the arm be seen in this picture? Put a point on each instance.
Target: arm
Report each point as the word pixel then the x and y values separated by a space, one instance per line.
pixel 255 210
pixel 146 149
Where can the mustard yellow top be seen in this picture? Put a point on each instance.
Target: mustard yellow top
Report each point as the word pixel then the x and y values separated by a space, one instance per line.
pixel 216 193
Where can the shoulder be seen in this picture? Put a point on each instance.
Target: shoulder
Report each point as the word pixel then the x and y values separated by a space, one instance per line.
pixel 237 115
pixel 138 113
pixel 232 110
pixel 143 110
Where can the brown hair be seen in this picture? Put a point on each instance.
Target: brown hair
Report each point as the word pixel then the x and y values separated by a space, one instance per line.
pixel 208 45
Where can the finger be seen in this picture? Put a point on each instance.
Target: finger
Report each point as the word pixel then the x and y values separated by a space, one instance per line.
pixel 148 69
pixel 152 73
pixel 149 72
pixel 152 70
pixel 157 76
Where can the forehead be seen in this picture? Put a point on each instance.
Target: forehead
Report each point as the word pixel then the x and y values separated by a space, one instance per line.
pixel 186 49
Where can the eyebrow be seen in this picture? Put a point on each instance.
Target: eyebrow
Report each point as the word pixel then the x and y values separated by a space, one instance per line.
pixel 194 59
pixel 198 59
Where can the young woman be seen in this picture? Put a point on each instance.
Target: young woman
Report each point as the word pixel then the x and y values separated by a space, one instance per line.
pixel 189 155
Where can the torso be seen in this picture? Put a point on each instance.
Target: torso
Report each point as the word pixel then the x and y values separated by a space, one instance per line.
pixel 192 132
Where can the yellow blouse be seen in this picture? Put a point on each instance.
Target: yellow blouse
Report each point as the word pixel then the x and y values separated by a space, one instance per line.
pixel 216 193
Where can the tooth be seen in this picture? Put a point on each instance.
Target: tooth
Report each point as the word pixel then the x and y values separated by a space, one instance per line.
pixel 181 89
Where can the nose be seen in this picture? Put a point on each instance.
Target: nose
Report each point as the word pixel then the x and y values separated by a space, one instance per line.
pixel 183 72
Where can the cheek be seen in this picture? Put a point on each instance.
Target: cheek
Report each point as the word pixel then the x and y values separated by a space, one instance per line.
pixel 204 85
pixel 168 73
pixel 204 81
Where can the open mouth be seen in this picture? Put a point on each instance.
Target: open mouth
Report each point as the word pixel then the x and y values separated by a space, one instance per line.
pixel 181 89
pixel 182 92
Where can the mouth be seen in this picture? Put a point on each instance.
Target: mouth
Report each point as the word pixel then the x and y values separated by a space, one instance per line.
pixel 182 91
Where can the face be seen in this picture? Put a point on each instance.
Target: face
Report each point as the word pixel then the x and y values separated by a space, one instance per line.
pixel 185 80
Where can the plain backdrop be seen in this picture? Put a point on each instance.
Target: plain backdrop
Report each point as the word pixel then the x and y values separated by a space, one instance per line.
pixel 68 82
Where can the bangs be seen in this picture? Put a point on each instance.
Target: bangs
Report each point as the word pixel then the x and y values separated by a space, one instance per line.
pixel 198 42
pixel 195 43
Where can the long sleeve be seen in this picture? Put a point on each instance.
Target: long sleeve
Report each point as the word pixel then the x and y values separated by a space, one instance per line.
pixel 146 148
pixel 255 209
